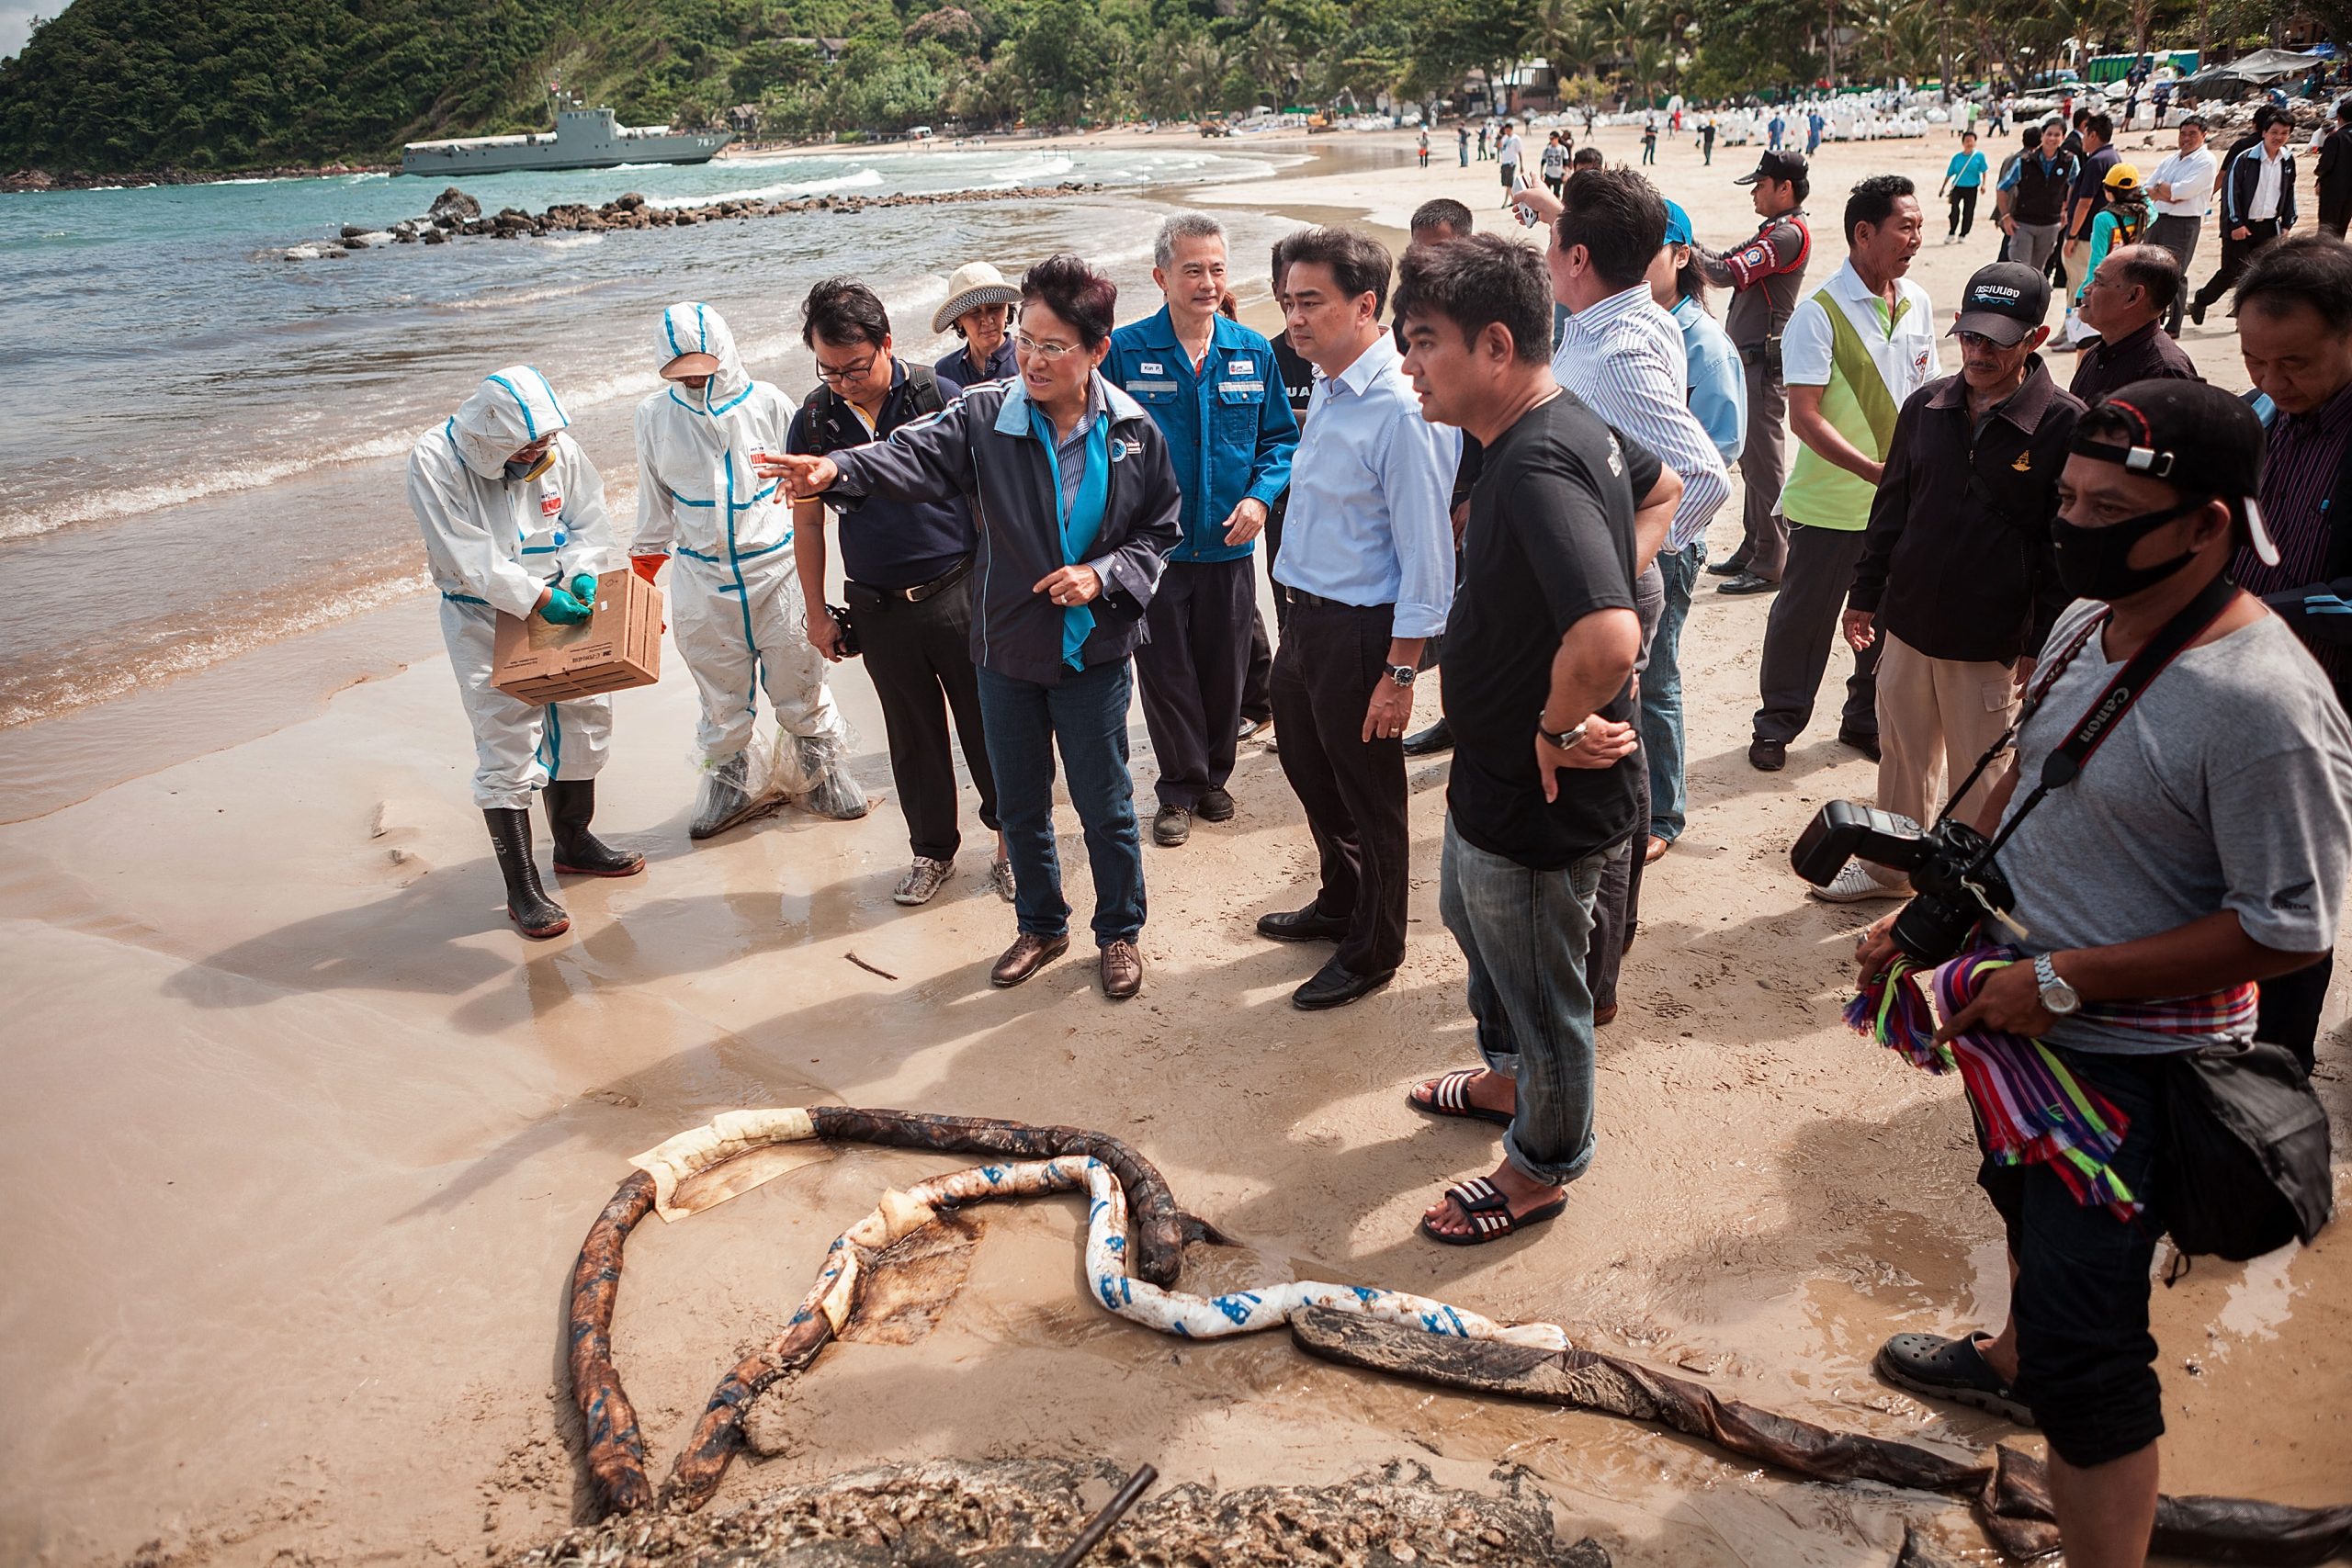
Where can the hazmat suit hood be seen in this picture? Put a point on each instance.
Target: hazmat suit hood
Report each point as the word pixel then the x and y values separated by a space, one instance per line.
pixel 509 410
pixel 693 327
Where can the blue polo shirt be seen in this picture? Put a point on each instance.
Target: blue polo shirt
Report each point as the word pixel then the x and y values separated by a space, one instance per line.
pixel 1230 429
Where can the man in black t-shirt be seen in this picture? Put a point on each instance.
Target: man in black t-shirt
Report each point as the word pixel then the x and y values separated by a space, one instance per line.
pixel 1538 683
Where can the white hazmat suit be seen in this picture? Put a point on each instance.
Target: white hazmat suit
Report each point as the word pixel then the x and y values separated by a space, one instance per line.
pixel 735 603
pixel 494 543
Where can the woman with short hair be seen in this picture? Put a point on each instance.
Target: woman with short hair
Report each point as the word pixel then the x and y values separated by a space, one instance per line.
pixel 1078 509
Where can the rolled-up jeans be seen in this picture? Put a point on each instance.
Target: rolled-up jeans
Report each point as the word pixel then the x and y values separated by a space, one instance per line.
pixel 1661 721
pixel 1525 934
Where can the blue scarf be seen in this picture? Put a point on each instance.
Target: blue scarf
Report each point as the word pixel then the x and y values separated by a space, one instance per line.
pixel 1080 521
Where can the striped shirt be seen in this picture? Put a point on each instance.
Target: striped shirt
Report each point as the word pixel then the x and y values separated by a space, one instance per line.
pixel 1623 357
pixel 2298 468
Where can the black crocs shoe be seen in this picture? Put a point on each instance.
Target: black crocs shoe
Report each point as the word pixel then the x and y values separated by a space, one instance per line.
pixel 1955 1370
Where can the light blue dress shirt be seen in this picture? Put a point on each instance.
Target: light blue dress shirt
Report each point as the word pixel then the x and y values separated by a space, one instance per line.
pixel 1713 377
pixel 1371 497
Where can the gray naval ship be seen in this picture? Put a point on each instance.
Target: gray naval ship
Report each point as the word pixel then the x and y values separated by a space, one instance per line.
pixel 583 139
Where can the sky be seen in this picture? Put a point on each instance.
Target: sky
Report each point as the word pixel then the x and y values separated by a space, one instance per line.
pixel 16 21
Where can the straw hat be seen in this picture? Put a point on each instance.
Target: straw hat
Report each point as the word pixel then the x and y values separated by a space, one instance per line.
pixel 970 287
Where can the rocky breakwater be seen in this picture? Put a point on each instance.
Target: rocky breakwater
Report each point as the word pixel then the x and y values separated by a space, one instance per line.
pixel 455 215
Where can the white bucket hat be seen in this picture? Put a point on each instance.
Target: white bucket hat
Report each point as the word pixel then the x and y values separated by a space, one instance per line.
pixel 970 287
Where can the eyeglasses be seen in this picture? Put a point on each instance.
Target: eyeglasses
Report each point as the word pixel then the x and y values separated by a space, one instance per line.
pixel 1049 352
pixel 1978 339
pixel 838 374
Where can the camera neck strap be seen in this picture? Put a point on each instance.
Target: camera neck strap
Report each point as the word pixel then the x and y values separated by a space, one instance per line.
pixel 2123 690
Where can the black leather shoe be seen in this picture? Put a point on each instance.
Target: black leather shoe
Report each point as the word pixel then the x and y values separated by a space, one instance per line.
pixel 1748 583
pixel 1214 806
pixel 1171 826
pixel 1730 566
pixel 2196 312
pixel 1310 924
pixel 1334 987
pixel 1431 742
pixel 1866 744
pixel 1767 756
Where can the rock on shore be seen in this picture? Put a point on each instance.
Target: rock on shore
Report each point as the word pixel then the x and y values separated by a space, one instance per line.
pixel 455 215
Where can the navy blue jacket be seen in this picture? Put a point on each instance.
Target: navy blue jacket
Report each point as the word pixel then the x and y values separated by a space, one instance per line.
pixel 983 447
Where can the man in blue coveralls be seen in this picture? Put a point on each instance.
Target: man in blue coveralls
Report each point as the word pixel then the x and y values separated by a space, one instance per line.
pixel 1212 386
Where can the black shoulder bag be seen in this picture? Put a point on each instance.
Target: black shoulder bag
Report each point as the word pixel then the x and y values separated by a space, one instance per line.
pixel 2251 1155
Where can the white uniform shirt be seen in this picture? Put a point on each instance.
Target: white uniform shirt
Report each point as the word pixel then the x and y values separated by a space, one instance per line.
pixel 2190 175
pixel 2264 204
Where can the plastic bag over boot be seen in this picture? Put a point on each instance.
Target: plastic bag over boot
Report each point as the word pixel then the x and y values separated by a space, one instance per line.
pixel 727 797
pixel 823 761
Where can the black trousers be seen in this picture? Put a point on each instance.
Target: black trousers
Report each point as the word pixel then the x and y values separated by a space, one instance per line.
pixel 1257 682
pixel 1802 628
pixel 1964 210
pixel 920 659
pixel 2236 256
pixel 2290 1008
pixel 1191 665
pixel 1353 790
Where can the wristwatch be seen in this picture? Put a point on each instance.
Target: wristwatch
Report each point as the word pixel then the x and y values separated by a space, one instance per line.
pixel 1565 741
pixel 1402 674
pixel 2056 994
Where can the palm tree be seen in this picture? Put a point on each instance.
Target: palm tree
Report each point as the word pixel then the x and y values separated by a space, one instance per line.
pixel 1268 57
pixel 1202 67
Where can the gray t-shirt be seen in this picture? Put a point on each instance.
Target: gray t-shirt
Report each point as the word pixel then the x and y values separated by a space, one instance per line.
pixel 2227 786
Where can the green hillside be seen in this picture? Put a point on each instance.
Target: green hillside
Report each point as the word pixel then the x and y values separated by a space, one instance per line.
pixel 118 86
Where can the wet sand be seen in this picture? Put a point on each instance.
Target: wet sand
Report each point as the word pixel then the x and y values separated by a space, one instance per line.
pixel 306 1139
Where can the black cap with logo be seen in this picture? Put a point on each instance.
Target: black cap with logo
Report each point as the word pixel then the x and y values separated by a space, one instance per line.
pixel 2004 302
pixel 1776 165
pixel 2193 436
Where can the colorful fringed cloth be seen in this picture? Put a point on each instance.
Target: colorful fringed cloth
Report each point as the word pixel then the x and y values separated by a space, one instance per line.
pixel 2034 1109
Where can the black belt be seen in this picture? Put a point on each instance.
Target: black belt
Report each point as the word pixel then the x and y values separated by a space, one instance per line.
pixel 921 591
pixel 1317 602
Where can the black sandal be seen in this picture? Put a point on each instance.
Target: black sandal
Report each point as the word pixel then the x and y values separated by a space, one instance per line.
pixel 1489 1212
pixel 1449 1097
pixel 1955 1370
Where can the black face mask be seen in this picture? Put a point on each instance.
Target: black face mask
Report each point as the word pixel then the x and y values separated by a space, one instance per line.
pixel 2095 563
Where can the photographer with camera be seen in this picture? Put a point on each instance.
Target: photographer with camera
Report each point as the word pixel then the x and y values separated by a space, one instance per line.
pixel 2181 836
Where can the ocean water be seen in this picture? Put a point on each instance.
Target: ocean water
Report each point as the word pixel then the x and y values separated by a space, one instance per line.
pixel 202 444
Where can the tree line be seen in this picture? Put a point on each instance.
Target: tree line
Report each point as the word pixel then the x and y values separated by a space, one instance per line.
pixel 120 86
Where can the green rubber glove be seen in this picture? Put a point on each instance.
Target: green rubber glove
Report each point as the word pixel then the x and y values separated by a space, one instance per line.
pixel 583 588
pixel 563 610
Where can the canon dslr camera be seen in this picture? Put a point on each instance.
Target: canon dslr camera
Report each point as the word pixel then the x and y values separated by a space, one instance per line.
pixel 1953 878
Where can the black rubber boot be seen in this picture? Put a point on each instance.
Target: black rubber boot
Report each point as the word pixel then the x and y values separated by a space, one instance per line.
pixel 571 805
pixel 527 902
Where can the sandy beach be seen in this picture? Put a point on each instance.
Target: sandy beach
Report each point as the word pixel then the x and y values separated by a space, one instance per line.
pixel 305 1137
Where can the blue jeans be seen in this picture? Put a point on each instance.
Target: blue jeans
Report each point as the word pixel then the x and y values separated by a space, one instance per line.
pixel 1086 715
pixel 1525 934
pixel 1661 720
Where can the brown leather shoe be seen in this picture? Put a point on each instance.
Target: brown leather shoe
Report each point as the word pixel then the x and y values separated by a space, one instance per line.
pixel 1656 848
pixel 1025 957
pixel 1122 970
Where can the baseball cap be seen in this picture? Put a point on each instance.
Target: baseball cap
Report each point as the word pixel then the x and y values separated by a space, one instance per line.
pixel 1678 224
pixel 2123 177
pixel 1775 166
pixel 2004 302
pixel 2192 435
pixel 686 364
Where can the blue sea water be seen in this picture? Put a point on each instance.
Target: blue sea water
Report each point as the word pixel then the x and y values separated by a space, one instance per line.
pixel 201 442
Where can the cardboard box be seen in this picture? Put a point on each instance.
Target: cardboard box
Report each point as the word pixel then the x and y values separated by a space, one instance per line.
pixel 617 646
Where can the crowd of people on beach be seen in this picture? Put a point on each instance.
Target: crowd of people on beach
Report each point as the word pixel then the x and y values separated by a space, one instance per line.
pixel 2100 630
